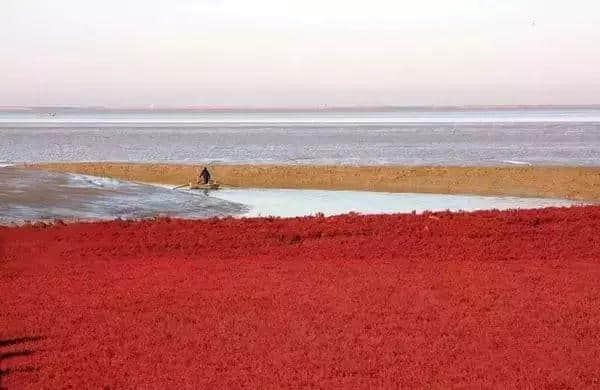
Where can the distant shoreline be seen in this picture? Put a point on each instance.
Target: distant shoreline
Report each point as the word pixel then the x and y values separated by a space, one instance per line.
pixel 324 107
pixel 575 183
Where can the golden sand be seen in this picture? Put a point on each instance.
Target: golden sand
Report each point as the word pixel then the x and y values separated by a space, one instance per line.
pixel 578 183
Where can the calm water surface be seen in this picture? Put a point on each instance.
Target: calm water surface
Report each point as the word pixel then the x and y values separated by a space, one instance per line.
pixel 546 136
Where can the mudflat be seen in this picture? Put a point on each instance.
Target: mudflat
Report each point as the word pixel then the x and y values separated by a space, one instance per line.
pixel 577 183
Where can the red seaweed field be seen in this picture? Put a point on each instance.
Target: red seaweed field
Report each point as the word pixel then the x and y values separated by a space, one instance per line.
pixel 442 300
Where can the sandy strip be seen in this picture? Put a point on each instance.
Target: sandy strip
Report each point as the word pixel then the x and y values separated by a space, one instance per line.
pixel 578 183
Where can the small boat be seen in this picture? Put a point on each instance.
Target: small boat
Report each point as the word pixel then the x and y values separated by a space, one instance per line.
pixel 212 185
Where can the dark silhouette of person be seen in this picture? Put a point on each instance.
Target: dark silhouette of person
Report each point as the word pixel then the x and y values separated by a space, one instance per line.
pixel 204 176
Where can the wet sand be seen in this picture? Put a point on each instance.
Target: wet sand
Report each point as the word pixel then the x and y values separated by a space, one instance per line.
pixel 577 183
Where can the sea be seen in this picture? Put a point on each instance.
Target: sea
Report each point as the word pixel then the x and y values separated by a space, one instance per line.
pixel 351 136
pixel 358 136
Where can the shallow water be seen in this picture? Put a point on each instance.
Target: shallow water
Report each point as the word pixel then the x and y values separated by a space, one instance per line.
pixel 294 203
pixel 543 136
pixel 39 195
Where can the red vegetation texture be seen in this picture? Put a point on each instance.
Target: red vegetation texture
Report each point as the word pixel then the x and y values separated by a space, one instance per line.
pixel 469 300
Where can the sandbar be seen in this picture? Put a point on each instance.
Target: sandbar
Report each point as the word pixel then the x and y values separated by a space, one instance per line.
pixel 575 183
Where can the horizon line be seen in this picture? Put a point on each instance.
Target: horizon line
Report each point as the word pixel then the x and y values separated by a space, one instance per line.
pixel 324 107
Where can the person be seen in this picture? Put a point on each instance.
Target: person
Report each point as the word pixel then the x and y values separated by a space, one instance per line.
pixel 204 176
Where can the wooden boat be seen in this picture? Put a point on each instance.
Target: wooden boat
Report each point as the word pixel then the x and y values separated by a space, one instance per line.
pixel 212 185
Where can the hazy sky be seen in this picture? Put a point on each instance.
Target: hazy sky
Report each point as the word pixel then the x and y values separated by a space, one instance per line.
pixel 299 52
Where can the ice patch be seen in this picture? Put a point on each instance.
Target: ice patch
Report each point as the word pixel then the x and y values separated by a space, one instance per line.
pixel 515 162
pixel 296 203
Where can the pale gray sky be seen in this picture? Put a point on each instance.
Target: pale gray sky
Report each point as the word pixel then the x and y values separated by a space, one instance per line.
pixel 299 52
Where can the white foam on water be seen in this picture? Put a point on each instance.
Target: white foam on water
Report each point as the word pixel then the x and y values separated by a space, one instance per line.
pixel 86 181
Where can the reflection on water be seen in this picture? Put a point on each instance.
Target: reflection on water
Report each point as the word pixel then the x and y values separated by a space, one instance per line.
pixel 38 195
